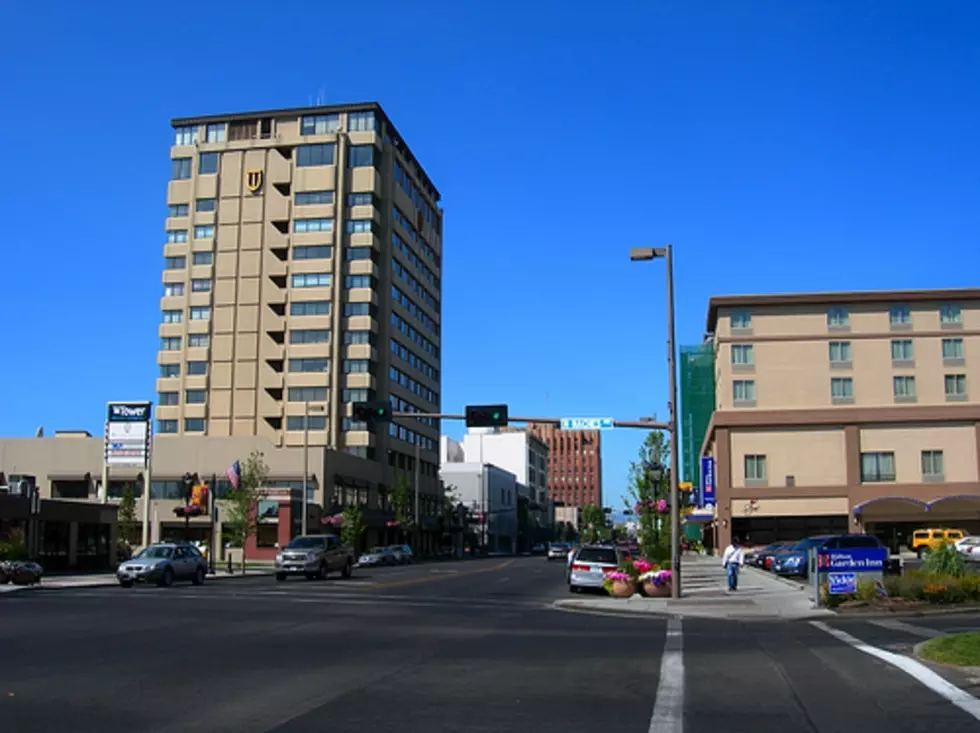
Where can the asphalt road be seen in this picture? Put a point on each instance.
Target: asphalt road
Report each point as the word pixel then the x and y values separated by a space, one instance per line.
pixel 462 647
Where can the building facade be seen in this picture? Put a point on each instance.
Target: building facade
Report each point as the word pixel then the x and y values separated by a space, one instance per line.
pixel 302 273
pixel 490 494
pixel 520 452
pixel 845 412
pixel 574 464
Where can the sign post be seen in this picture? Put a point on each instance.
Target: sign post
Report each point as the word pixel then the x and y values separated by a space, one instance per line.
pixel 845 568
pixel 128 442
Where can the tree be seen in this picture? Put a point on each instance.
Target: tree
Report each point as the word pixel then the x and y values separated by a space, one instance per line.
pixel 242 514
pixel 593 523
pixel 401 501
pixel 126 515
pixel 353 527
pixel 645 489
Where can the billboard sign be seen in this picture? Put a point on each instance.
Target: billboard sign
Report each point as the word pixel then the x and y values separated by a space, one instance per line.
pixel 707 494
pixel 128 434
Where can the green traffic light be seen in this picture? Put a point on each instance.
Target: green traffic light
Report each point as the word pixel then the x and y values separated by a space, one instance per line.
pixel 496 416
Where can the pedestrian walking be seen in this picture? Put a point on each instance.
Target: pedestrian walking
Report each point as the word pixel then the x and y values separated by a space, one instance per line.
pixel 732 560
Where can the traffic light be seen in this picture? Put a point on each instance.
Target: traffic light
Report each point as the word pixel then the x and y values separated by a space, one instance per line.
pixel 372 412
pixel 486 416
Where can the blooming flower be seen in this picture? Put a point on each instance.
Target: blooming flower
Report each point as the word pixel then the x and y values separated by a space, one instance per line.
pixel 617 575
pixel 642 566
pixel 662 506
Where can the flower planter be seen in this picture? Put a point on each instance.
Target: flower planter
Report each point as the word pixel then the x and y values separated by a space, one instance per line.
pixel 622 588
pixel 653 590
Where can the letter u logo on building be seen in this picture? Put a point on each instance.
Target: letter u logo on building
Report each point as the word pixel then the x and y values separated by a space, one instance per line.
pixel 253 180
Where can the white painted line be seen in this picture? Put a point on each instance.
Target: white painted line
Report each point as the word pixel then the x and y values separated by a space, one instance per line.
pixel 505 579
pixel 668 710
pixel 893 624
pixel 960 698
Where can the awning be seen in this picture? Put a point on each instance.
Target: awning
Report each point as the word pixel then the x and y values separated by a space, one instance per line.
pixel 700 516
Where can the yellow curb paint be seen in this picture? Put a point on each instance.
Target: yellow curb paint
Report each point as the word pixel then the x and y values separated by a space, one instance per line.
pixel 440 576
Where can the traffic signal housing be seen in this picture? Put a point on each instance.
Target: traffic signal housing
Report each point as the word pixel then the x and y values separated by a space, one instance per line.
pixel 372 412
pixel 486 416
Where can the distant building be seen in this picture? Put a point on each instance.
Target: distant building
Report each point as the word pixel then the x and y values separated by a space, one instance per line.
pixel 574 464
pixel 490 494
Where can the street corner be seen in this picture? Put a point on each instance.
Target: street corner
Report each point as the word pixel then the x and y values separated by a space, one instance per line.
pixel 635 607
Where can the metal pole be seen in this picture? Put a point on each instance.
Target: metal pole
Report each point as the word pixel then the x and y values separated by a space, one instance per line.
pixel 306 463
pixel 213 511
pixel 418 519
pixel 675 510
pixel 147 494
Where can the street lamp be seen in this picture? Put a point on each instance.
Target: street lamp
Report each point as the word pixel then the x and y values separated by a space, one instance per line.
pixel 643 254
pixel 306 458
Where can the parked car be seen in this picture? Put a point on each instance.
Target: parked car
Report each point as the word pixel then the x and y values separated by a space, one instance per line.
pixel 403 554
pixel 20 572
pixel 538 549
pixel 591 563
pixel 558 550
pixel 163 563
pixel 314 557
pixel 969 548
pixel 926 540
pixel 764 557
pixel 376 556
pixel 796 560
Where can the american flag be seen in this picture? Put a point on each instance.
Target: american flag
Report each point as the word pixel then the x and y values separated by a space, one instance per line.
pixel 235 475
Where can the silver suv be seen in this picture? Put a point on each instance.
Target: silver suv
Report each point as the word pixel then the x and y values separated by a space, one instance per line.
pixel 314 556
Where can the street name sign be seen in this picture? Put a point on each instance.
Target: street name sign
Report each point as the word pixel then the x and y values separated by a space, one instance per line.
pixel 586 423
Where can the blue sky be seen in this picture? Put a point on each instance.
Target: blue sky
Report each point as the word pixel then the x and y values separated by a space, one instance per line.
pixel 780 146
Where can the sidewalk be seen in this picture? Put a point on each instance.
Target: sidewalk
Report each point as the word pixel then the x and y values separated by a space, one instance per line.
pixel 98 580
pixel 760 596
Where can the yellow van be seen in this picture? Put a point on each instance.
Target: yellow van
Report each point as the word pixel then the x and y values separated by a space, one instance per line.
pixel 924 540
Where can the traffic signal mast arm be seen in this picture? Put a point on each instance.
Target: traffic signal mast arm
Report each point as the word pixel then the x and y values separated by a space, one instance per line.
pixel 641 424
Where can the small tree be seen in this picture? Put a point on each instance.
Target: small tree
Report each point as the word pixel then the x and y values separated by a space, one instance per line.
pixel 242 511
pixel 353 527
pixel 126 515
pixel 645 489
pixel 401 502
pixel 593 523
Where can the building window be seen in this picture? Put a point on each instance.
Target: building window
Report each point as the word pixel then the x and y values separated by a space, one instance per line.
pixel 217 133
pixel 302 226
pixel 166 427
pixel 195 396
pixel 307 394
pixel 172 290
pixel 309 336
pixel 315 365
pixel 755 469
pixel 194 425
pixel 312 280
pixel 360 199
pixel 840 354
pixel 361 156
pixel 313 252
pixel 166 399
pixel 174 210
pixel 842 390
pixel 204 232
pixel 903 353
pixel 205 205
pixel 312 155
pixel 358 281
pixel 953 354
pixel 360 121
pixel 878 467
pixel 932 465
pixel 741 321
pixel 185 135
pixel 309 198
pixel 903 388
pixel 169 371
pixel 357 395
pixel 319 124
pixel 310 308
pixel 200 286
pixel 360 226
pixel 207 163
pixel 198 341
pixel 743 392
pixel 838 319
pixel 173 317
pixel 359 253
pixel 175 263
pixel 357 309
pixel 900 316
pixel 950 316
pixel 742 355
pixel 298 422
pixel 357 366
pixel 180 169
pixel 200 313
pixel 244 130
pixel 955 385
pixel 203 258
pixel 197 368
pixel 352 338
pixel 176 236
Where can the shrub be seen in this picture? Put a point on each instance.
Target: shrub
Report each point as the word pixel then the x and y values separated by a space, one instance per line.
pixel 13 551
pixel 945 561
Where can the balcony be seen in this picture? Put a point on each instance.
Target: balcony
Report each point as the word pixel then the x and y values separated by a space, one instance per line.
pixel 273 265
pixel 278 169
pixel 274 237
pixel 276 206
pixel 270 378
pixel 360 380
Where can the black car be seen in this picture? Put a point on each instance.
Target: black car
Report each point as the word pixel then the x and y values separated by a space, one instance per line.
pixel 763 558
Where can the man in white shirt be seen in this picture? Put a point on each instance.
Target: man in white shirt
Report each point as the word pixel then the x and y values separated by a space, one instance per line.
pixel 732 560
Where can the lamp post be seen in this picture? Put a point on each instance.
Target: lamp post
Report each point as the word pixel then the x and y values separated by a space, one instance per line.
pixel 306 459
pixel 643 254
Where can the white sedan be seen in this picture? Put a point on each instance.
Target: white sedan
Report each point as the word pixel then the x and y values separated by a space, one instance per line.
pixel 969 548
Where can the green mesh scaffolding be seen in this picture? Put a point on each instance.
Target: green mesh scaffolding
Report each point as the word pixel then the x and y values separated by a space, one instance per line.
pixel 697 371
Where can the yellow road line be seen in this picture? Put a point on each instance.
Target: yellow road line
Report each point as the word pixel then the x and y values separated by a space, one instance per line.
pixel 440 576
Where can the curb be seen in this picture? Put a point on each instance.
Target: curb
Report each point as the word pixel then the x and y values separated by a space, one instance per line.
pixel 570 607
pixel 921 613
pixel 560 605
pixel 112 583
pixel 917 654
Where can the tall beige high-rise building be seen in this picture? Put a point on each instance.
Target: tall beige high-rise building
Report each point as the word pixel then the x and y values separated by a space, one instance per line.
pixel 302 273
